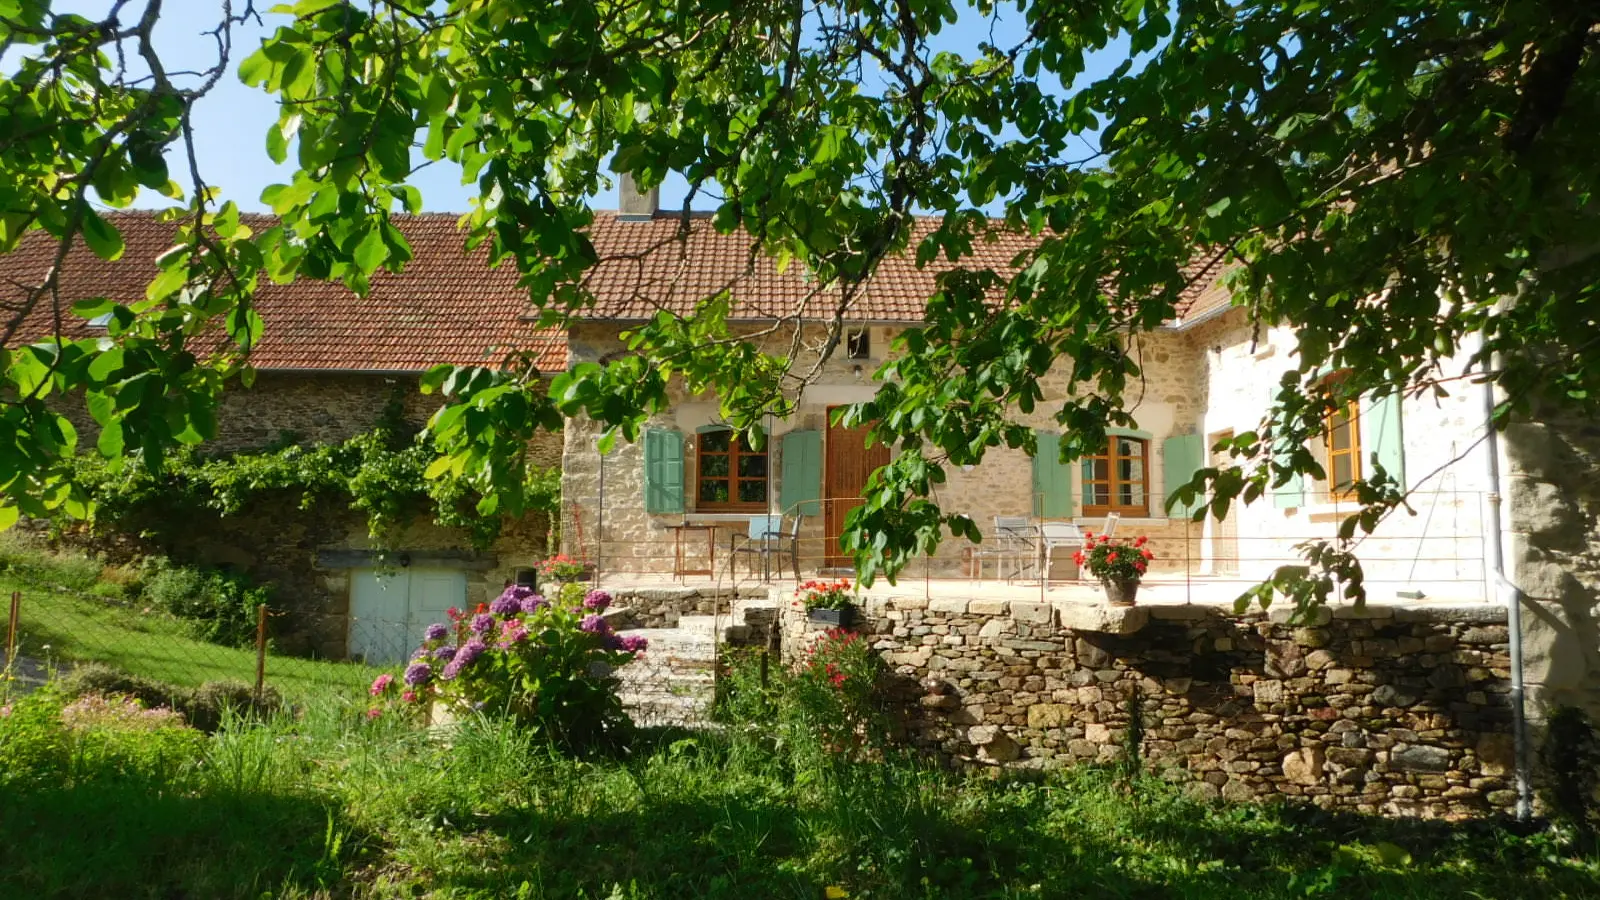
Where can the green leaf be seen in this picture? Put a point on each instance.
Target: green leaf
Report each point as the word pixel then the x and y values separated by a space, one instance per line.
pixel 371 252
pixel 100 236
pixel 8 516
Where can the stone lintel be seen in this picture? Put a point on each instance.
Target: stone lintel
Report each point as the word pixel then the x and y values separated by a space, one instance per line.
pixel 432 559
pixel 1103 618
pixel 1466 613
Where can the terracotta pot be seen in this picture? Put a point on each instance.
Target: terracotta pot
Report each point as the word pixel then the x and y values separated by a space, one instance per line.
pixel 1120 592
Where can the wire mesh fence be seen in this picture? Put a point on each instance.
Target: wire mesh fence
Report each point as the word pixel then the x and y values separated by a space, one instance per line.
pixel 1439 552
pixel 295 657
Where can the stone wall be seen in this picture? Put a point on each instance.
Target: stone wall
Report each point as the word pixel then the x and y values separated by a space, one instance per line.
pixel 313 408
pixel 1552 493
pixel 1400 710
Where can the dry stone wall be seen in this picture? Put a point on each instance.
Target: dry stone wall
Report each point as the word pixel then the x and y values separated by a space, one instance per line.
pixel 1400 710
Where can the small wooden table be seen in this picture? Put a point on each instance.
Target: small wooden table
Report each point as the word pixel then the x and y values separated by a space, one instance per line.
pixel 710 530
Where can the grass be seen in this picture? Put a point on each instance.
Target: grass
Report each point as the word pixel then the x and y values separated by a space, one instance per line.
pixel 69 614
pixel 331 805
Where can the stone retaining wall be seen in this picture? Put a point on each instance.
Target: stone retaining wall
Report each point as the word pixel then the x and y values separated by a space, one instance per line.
pixel 663 606
pixel 1393 710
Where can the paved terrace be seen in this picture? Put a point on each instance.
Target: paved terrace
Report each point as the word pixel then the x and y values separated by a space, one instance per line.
pixel 1156 590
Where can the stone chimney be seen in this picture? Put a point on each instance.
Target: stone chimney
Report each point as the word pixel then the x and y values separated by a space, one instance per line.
pixel 634 205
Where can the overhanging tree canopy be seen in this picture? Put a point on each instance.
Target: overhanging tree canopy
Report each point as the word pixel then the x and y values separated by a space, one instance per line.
pixel 1403 181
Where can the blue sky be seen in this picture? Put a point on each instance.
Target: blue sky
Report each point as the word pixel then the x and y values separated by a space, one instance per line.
pixel 231 122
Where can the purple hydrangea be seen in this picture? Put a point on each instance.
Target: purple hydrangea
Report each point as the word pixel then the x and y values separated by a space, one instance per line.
pixel 533 603
pixel 435 632
pixel 445 654
pixel 470 651
pixel 634 643
pixel 594 625
pixel 597 601
pixel 512 633
pixel 517 592
pixel 418 674
pixel 482 622
pixel 506 605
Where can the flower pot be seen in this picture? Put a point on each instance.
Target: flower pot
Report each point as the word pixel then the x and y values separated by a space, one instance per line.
pixel 840 617
pixel 1120 592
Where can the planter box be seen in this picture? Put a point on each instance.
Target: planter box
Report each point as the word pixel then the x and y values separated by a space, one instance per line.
pixel 840 617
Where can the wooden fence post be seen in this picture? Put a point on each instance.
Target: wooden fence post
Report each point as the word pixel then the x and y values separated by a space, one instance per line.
pixel 11 627
pixel 261 650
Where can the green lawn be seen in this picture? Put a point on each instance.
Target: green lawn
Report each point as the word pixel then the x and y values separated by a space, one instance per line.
pixel 329 805
pixel 62 627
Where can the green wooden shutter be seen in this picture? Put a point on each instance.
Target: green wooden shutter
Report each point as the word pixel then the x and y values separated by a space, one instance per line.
pixel 663 471
pixel 1181 457
pixel 1388 438
pixel 1293 493
pixel 802 473
pixel 1052 481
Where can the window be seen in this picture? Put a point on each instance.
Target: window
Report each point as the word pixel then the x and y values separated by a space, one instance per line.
pixel 1342 441
pixel 729 474
pixel 1116 480
pixel 858 344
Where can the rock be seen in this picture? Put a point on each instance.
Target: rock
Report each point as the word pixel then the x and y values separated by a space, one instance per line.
pixel 1048 715
pixel 1420 758
pixel 1502 799
pixel 1284 660
pixel 993 628
pixel 940 701
pixel 1496 754
pixel 951 606
pixel 1032 613
pixel 1393 695
pixel 1542 509
pixel 1089 655
pixel 1317 660
pixel 1201 792
pixel 1304 766
pixel 987 607
pixel 1236 791
pixel 1339 676
pixel 1446 677
pixel 1349 756
pixel 1268 691
pixel 1486 634
pixel 1311 637
pixel 1002 749
pixel 1103 619
pixel 1099 734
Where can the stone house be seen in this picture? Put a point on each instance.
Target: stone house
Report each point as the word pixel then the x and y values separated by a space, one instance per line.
pixel 1512 517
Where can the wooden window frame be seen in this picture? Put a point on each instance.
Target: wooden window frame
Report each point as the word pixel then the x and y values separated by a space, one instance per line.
pixel 1351 409
pixel 736 450
pixel 1113 482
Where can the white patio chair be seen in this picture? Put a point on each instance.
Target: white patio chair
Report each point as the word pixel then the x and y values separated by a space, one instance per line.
pixel 1053 535
pixel 1013 541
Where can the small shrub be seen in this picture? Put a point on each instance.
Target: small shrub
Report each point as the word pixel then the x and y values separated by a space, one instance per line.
pixel 219 606
pixel 830 699
pixel 204 707
pixel 546 665
pixel 750 687
pixel 117 711
pixel 49 742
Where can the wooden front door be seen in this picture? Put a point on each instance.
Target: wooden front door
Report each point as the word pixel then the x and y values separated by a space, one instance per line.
pixel 847 461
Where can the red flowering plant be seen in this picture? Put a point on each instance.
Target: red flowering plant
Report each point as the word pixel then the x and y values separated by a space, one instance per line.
pixel 1114 559
pixel 831 703
pixel 825 594
pixel 560 567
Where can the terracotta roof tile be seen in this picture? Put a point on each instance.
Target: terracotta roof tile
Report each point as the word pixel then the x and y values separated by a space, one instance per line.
pixel 445 308
pixel 452 307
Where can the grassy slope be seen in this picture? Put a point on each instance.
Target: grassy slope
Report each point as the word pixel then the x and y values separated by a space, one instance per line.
pixel 67 616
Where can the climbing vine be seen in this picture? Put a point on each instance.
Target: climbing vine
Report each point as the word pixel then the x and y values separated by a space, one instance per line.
pixel 380 473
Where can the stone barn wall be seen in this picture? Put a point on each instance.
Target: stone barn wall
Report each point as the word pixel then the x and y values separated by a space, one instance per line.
pixel 1401 710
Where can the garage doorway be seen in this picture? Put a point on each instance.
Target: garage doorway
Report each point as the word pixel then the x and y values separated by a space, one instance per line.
pixel 390 609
